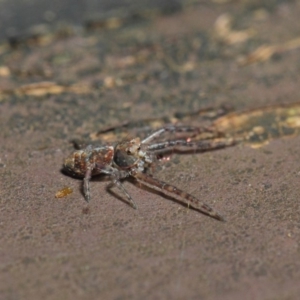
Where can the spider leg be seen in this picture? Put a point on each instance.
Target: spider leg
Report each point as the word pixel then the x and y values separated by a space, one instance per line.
pixel 86 183
pixel 170 189
pixel 197 146
pixel 120 186
pixel 116 176
pixel 190 130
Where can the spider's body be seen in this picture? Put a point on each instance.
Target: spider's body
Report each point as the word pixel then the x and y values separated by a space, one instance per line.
pixel 134 157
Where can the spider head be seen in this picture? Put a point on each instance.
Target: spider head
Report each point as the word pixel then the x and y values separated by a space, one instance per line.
pixel 126 154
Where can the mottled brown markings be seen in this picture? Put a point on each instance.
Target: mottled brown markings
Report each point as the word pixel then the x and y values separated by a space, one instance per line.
pixel 134 157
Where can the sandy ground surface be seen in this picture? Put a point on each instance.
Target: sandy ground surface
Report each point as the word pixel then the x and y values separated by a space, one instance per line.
pixel 67 83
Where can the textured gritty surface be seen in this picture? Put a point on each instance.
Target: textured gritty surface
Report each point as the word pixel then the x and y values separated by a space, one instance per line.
pixel 58 249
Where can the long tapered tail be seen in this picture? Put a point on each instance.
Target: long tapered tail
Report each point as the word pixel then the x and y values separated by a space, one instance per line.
pixel 181 195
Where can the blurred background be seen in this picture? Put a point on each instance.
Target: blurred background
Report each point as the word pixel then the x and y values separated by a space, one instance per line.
pixel 99 72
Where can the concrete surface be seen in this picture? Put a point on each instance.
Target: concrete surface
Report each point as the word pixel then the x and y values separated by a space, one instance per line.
pixel 66 84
